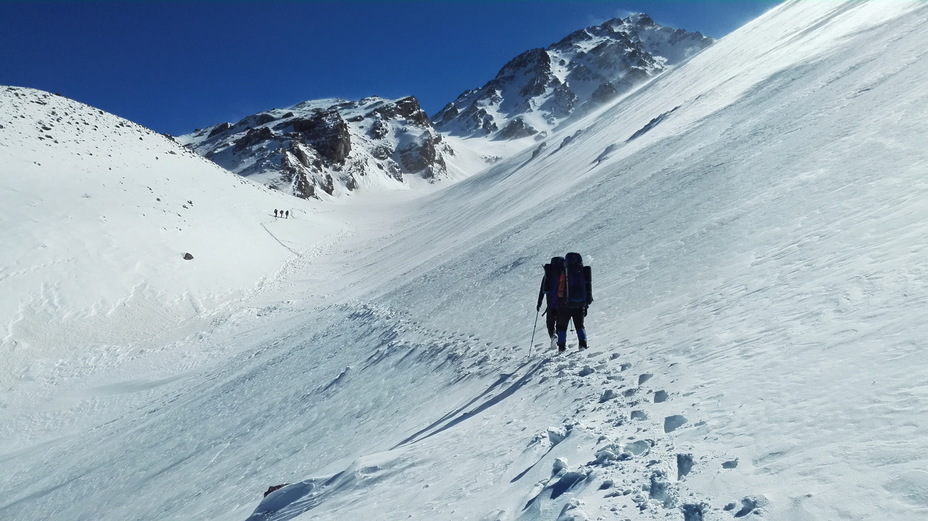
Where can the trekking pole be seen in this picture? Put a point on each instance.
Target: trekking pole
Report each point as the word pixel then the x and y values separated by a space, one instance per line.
pixel 531 349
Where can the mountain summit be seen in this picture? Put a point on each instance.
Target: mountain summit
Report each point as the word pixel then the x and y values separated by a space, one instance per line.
pixel 542 88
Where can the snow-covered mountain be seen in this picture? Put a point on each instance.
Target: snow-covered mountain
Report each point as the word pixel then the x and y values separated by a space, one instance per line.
pixel 98 214
pixel 324 148
pixel 542 88
pixel 754 220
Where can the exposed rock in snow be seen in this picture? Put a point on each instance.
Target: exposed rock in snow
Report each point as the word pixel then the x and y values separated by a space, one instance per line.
pixel 324 148
pixel 542 88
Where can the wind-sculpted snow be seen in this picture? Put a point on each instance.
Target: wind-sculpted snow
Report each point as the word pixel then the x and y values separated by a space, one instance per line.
pixel 759 260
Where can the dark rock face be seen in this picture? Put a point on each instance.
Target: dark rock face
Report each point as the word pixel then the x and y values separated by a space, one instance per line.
pixel 219 129
pixel 252 137
pixel 423 156
pixel 324 148
pixel 406 108
pixel 327 132
pixel 256 120
pixel 543 88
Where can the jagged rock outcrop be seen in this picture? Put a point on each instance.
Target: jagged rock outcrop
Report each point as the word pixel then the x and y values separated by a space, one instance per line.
pixel 542 88
pixel 329 147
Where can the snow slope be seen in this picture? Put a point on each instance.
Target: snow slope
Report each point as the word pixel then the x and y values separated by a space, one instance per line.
pixel 97 215
pixel 754 220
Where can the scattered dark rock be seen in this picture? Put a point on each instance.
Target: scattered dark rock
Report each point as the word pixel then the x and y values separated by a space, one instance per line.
pixel 188 256
pixel 272 488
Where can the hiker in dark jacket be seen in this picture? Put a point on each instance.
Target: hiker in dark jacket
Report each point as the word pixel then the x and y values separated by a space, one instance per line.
pixel 575 294
pixel 548 291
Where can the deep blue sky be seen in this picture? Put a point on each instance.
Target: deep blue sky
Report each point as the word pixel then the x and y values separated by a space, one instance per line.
pixel 174 66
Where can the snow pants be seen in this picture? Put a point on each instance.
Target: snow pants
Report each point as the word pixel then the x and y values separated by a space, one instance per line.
pixel 550 320
pixel 564 316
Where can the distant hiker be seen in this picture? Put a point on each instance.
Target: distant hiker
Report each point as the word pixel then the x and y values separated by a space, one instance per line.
pixel 575 294
pixel 548 292
pixel 275 213
pixel 287 214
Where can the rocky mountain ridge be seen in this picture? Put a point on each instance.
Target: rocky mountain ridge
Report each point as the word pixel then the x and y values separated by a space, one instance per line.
pixel 330 147
pixel 327 148
pixel 543 88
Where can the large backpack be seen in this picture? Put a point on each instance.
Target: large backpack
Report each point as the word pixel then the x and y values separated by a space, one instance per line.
pixel 579 287
pixel 553 272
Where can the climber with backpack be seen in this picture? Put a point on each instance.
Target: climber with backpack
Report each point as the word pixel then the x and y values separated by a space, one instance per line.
pixel 548 292
pixel 574 296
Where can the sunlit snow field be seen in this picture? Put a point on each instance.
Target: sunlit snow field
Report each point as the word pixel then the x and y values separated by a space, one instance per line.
pixel 755 222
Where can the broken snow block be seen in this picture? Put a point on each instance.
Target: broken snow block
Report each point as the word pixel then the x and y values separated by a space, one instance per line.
pixel 672 423
pixel 693 512
pixel 684 465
